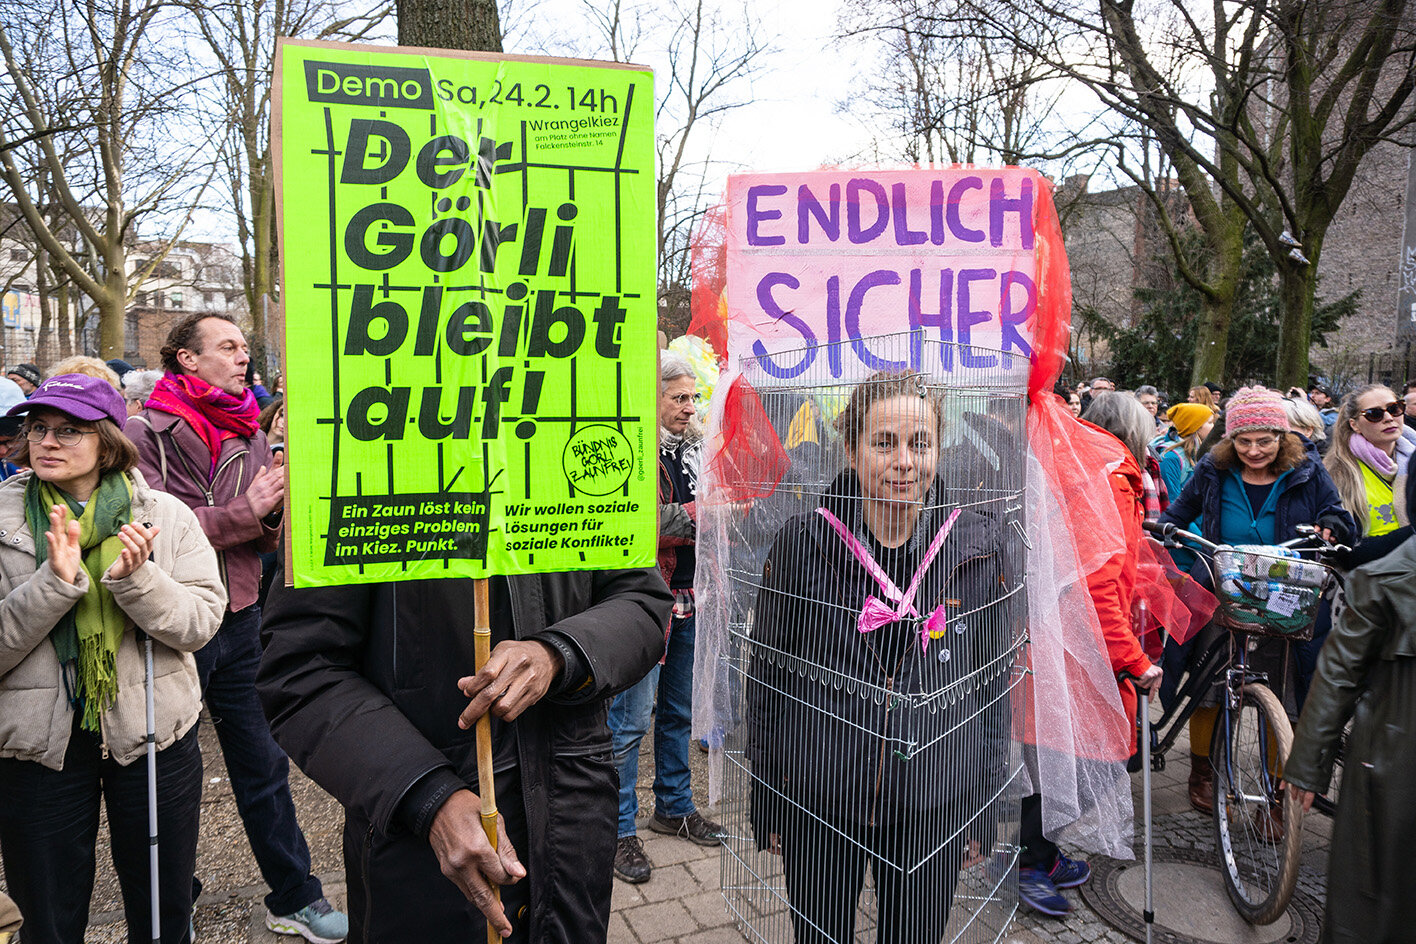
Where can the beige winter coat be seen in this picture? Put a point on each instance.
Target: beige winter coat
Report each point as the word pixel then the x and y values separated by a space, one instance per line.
pixel 176 597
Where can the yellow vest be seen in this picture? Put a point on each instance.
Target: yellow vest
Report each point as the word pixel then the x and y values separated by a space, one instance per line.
pixel 1381 502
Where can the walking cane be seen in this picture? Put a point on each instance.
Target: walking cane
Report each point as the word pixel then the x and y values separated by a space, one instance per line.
pixel 1143 696
pixel 482 637
pixel 152 786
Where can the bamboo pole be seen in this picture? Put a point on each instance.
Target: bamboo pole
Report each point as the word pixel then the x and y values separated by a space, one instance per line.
pixel 482 636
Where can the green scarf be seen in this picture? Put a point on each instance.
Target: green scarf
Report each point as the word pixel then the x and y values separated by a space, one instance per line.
pixel 86 638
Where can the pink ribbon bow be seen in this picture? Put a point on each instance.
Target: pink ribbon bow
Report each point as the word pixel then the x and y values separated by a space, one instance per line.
pixel 875 612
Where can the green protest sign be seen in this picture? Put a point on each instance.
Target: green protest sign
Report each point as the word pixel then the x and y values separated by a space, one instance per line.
pixel 467 244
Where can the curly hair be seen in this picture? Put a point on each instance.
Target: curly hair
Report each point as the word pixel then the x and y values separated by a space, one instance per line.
pixel 1290 454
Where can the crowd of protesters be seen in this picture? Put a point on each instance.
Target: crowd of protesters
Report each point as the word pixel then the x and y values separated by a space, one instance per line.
pixel 144 508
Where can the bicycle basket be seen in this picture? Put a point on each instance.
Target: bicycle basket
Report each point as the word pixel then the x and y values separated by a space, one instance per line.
pixel 1266 590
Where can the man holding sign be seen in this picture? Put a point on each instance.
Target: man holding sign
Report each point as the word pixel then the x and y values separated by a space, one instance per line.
pixel 370 690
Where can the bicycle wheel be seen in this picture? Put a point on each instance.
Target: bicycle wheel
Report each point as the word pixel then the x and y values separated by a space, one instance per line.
pixel 1248 751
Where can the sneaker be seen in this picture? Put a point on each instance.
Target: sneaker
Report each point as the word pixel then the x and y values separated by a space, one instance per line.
pixel 1069 873
pixel 317 923
pixel 631 864
pixel 1036 891
pixel 692 827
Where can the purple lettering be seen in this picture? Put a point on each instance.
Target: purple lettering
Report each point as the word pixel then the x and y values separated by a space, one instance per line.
pixel 868 281
pixel 1009 319
pixel 828 218
pixel 968 317
pixel 940 319
pixel 904 236
pixel 956 197
pixel 775 311
pixel 756 216
pixel 857 233
pixel 1022 204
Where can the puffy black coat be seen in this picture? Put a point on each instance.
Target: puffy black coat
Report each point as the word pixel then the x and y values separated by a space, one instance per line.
pixel 870 728
pixel 359 683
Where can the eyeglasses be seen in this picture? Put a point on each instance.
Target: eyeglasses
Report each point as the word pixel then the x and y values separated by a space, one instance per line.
pixel 684 399
pixel 1264 442
pixel 64 435
pixel 1374 414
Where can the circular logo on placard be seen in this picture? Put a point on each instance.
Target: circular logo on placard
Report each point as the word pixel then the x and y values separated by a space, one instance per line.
pixel 597 460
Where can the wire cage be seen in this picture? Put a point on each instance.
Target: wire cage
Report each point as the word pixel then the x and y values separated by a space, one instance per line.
pixel 862 627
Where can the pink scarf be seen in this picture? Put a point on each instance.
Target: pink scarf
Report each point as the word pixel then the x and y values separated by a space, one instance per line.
pixel 1363 449
pixel 876 613
pixel 215 414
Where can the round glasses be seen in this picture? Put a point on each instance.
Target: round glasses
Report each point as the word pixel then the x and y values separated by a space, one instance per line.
pixel 1374 414
pixel 64 435
pixel 1263 442
pixel 684 399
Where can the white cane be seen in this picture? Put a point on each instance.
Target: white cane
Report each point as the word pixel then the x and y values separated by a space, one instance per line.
pixel 152 787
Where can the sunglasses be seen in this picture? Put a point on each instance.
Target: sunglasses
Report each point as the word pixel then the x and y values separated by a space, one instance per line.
pixel 1374 414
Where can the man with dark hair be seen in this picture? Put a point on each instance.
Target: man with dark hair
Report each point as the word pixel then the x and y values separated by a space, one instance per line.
pixel 370 689
pixel 198 439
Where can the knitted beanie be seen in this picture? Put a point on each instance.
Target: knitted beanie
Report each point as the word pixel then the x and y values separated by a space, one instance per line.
pixel 1254 409
pixel 1189 417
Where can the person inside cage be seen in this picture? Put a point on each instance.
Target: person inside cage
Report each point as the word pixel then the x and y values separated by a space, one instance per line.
pixel 877 720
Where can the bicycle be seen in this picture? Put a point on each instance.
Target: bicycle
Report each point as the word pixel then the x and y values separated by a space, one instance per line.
pixel 1263 591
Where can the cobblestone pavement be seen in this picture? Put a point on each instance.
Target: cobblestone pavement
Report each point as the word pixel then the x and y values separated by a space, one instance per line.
pixel 681 904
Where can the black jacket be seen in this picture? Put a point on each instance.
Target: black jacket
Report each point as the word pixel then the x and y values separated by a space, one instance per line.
pixel 870 728
pixel 359 683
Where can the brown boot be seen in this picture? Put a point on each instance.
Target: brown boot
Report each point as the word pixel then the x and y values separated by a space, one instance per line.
pixel 1201 784
pixel 1268 822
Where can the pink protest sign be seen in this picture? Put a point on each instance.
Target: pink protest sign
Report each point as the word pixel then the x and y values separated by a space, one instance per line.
pixel 818 263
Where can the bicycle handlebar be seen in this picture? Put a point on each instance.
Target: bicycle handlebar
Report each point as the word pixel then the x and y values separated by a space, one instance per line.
pixel 1172 536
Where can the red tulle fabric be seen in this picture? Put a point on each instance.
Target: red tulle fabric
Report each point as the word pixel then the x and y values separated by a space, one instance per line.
pixel 749 460
pixel 709 266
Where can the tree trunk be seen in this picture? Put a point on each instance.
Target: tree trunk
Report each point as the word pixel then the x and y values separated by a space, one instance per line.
pixel 450 24
pixel 112 305
pixel 262 262
pixel 1212 345
pixel 1295 327
pixel 61 313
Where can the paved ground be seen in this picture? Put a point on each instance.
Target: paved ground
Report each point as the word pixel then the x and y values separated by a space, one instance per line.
pixel 682 903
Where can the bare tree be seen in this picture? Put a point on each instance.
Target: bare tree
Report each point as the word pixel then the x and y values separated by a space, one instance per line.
pixel 709 56
pixel 1263 108
pixel 116 152
pixel 240 35
pixel 450 24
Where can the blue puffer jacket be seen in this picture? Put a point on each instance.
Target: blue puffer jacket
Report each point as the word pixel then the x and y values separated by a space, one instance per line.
pixel 1308 497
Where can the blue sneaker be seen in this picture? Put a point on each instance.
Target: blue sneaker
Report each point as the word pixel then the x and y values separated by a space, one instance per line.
pixel 317 923
pixel 1036 891
pixel 1069 873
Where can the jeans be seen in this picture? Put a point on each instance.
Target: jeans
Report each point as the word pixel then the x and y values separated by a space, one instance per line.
pixel 629 722
pixel 49 827
pixel 259 769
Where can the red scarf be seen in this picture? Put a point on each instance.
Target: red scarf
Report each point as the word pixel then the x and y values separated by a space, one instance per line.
pixel 215 414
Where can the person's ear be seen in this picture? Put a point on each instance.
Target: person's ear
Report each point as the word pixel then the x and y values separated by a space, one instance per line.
pixel 187 359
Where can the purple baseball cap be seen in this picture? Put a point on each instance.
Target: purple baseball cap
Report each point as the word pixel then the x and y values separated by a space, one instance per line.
pixel 81 396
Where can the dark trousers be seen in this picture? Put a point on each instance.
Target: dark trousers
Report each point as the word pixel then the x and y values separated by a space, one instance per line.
pixel 398 894
pixel 49 827
pixel 259 769
pixel 1038 852
pixel 825 869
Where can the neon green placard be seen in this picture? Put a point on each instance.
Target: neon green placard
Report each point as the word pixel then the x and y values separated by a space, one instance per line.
pixel 468 247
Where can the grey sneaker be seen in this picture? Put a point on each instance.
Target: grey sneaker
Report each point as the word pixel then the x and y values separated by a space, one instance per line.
pixel 631 864
pixel 692 827
pixel 317 923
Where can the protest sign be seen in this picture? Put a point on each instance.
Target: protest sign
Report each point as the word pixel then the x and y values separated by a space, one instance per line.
pixel 818 263
pixel 468 252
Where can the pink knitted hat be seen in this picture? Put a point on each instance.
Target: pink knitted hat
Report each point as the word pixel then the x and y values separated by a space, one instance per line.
pixel 1254 409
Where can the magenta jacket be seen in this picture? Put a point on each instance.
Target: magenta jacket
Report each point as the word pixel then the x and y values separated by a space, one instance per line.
pixel 173 458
